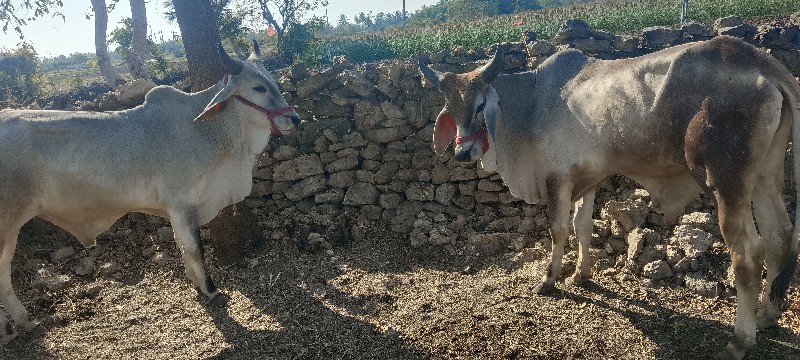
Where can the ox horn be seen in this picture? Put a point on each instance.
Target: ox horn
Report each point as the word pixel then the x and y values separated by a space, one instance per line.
pixel 231 65
pixel 494 67
pixel 433 76
pixel 256 49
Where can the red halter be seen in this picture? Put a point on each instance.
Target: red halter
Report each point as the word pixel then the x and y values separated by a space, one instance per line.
pixel 480 135
pixel 271 114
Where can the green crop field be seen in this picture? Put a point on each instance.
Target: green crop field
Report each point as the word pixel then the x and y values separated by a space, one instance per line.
pixel 617 16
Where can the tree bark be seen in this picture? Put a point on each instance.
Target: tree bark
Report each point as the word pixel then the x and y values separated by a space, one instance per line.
pixel 110 74
pixel 139 50
pixel 200 34
pixel 235 228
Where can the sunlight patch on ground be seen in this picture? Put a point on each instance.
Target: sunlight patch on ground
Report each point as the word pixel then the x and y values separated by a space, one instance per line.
pixel 246 313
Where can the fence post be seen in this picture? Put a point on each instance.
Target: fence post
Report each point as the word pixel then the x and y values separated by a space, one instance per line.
pixel 685 12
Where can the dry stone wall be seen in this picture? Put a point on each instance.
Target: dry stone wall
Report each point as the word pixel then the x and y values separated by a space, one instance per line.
pixel 365 150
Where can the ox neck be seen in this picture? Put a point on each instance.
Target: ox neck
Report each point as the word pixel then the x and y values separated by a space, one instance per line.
pixel 229 133
pixel 201 98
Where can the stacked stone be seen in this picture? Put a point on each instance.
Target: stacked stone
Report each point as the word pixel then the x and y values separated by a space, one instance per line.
pixel 368 147
pixel 636 237
pixel 779 39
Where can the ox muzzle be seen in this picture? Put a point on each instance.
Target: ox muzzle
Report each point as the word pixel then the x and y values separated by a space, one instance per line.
pixel 467 147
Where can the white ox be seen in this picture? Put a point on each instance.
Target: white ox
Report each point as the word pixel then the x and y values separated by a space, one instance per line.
pixel 178 155
pixel 713 116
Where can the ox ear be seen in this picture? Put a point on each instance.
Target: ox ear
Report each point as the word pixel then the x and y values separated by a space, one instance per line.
pixel 444 131
pixel 219 103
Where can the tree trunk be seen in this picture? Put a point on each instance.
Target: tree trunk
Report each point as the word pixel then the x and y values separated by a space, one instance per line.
pixel 200 34
pixel 266 14
pixel 110 74
pixel 139 51
pixel 235 228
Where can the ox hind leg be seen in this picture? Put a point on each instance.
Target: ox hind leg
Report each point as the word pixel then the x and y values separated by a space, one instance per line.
pixel 187 235
pixel 9 299
pixel 582 225
pixel 775 229
pixel 732 188
pixel 739 231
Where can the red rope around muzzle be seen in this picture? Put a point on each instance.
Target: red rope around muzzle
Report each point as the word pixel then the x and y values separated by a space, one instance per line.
pixel 480 135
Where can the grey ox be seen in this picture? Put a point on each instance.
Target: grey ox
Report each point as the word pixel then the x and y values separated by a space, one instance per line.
pixel 712 116
pixel 178 155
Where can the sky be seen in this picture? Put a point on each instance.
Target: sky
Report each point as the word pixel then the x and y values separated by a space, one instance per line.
pixel 56 36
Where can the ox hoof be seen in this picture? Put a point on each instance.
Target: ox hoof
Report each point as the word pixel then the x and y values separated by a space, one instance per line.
pixel 30 325
pixel 544 288
pixel 767 318
pixel 7 335
pixel 729 353
pixel 766 322
pixel 220 300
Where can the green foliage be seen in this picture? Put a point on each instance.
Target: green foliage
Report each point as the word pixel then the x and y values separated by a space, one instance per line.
pixel 122 36
pixel 232 28
pixel 62 61
pixel 358 48
pixel 20 77
pixel 463 10
pixel 429 15
pixel 74 81
pixel 300 38
pixel 10 14
pixel 512 6
pixel 617 16
pixel 157 66
pixel 231 24
pixel 92 63
pixel 366 22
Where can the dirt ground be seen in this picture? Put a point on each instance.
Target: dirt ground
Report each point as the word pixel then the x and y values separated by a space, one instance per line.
pixel 373 299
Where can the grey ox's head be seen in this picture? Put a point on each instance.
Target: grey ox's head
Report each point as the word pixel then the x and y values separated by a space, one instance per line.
pixel 249 83
pixel 468 97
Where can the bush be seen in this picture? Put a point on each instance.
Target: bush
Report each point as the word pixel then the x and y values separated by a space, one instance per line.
pixel 20 79
pixel 300 38
pixel 157 66
pixel 364 48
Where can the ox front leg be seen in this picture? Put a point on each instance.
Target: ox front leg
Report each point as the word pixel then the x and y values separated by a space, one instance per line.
pixel 187 234
pixel 582 223
pixel 8 297
pixel 558 207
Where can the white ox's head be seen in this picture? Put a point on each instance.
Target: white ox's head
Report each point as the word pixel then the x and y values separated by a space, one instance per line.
pixel 469 100
pixel 251 84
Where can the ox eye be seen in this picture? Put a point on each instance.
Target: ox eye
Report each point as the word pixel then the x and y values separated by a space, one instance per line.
pixel 260 89
pixel 480 108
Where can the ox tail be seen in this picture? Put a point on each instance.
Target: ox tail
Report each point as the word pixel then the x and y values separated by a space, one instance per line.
pixel 790 112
